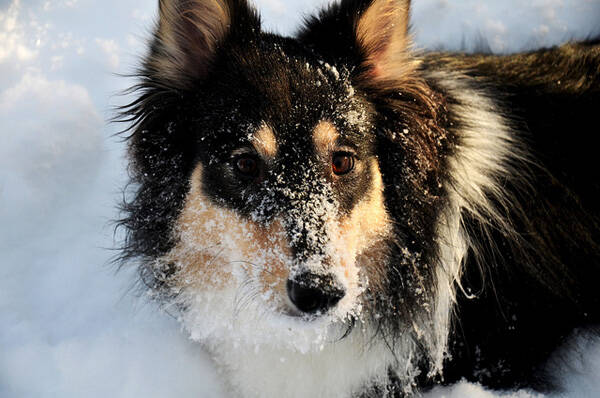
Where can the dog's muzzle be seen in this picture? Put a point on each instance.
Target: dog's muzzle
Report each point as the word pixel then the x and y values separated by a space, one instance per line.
pixel 313 293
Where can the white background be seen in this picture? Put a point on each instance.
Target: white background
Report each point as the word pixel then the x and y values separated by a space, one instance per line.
pixel 69 325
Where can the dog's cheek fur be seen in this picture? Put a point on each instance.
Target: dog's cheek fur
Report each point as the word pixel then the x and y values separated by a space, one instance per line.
pixel 215 244
pixel 363 232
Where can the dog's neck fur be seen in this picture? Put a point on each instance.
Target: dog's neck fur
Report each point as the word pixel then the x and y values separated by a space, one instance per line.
pixel 341 369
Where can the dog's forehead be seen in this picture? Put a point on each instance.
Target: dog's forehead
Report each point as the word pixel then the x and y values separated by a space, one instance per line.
pixel 291 90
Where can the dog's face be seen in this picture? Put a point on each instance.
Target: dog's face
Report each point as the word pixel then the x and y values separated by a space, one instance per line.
pixel 286 194
pixel 286 174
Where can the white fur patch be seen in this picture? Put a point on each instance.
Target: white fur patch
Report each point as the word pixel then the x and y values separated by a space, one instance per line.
pixel 266 354
pixel 485 155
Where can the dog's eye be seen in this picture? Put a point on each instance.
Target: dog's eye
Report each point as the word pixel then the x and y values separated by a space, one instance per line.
pixel 342 163
pixel 246 165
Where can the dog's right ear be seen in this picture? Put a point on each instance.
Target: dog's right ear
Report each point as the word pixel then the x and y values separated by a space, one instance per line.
pixel 189 34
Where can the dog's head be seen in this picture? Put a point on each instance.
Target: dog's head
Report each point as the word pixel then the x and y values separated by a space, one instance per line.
pixel 297 176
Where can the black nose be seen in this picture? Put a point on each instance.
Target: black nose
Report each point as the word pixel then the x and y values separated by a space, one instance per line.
pixel 311 293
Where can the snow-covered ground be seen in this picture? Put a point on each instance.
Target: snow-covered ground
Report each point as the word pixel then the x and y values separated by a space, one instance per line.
pixel 69 325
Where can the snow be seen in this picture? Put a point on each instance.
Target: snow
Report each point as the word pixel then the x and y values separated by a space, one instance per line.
pixel 70 326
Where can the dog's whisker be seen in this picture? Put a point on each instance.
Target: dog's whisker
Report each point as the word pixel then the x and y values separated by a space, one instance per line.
pixel 245 294
pixel 261 268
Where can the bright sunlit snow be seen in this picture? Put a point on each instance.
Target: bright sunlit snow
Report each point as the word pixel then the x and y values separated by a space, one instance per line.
pixel 70 326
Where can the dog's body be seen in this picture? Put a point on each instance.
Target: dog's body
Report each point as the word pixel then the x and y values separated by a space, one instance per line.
pixel 331 215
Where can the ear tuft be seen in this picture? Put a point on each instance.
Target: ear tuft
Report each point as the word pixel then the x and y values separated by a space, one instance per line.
pixel 188 35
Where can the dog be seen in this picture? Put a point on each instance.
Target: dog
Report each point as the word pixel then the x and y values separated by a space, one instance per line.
pixel 338 215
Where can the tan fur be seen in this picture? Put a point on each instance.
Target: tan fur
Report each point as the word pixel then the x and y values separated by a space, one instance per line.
pixel 363 230
pixel 211 239
pixel 264 142
pixel 188 33
pixel 324 138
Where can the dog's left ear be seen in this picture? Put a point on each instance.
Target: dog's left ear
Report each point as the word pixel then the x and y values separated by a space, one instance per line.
pixel 370 34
